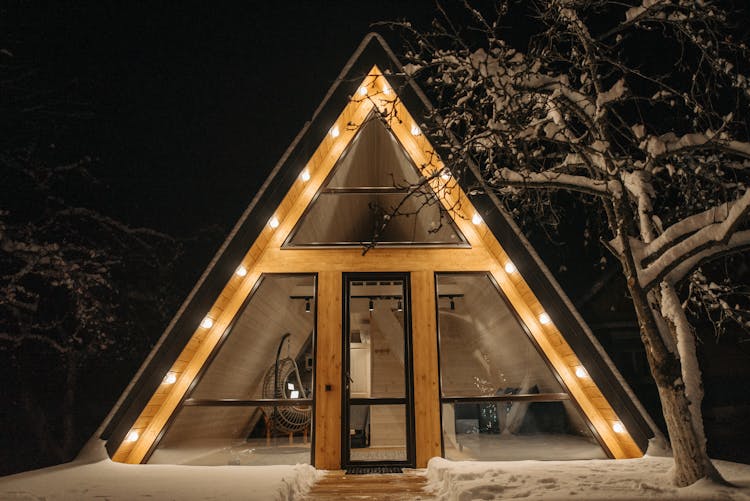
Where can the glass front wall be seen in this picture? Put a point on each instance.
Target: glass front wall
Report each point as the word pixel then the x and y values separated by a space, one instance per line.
pixel 252 405
pixel 500 398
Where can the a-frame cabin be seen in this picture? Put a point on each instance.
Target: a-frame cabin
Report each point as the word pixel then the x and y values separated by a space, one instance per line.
pixel 449 338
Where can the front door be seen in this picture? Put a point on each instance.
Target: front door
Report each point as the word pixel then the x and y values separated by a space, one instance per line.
pixel 378 412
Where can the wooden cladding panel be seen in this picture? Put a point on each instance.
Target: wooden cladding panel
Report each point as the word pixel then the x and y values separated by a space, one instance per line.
pixel 328 373
pixel 426 372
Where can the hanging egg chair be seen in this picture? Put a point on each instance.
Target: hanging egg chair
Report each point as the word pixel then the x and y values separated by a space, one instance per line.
pixel 281 381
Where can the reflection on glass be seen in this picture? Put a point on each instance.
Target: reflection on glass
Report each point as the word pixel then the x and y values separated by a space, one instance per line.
pixel 231 436
pixel 377 433
pixel 484 351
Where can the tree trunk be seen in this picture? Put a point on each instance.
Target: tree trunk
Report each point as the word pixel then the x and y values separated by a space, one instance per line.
pixel 691 462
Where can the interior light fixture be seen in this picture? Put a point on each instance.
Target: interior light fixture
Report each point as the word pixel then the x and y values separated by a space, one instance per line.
pixel 371 306
pixel 415 130
pixel 305 175
pixel 335 131
pixel 132 436
pixel 274 222
pixel 399 306
pixel 510 267
pixel 581 372
pixel 453 304
pixel 307 305
pixel 476 218
pixel 170 378
pixel 618 427
pixel 241 271
pixel 544 319
pixel 294 394
pixel 207 323
pixel 363 91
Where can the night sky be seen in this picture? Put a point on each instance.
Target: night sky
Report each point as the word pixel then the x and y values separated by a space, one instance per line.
pixel 194 105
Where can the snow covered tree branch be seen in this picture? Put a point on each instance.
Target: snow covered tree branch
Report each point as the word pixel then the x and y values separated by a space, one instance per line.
pixel 639 108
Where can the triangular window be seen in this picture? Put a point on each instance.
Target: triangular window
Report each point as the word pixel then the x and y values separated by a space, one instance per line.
pixel 370 180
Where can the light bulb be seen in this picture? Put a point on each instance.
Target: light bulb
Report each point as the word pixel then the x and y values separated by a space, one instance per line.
pixel 476 218
pixel 132 436
pixel 207 323
pixel 335 131
pixel 170 378
pixel 581 372
pixel 371 306
pixel 386 90
pixel 362 91
pixel 445 175
pixel 415 130
pixel 241 271
pixel 305 175
pixel 294 394
pixel 510 267
pixel 307 306
pixel 400 306
pixel 274 222
pixel 618 427
pixel 544 319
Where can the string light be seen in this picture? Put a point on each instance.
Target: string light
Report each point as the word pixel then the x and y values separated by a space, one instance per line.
pixel 362 91
pixel 132 436
pixel 446 174
pixel 544 319
pixel 305 175
pixel 170 378
pixel 476 218
pixel 241 271
pixel 510 267
pixel 274 222
pixel 335 131
pixel 386 90
pixel 618 427
pixel 581 372
pixel 415 130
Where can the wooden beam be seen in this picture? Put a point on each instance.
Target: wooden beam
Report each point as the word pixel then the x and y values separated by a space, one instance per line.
pixel 327 420
pixel 425 367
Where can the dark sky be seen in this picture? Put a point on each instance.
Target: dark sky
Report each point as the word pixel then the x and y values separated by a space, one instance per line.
pixel 194 104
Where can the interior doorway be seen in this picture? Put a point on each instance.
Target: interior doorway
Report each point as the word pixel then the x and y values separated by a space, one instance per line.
pixel 377 407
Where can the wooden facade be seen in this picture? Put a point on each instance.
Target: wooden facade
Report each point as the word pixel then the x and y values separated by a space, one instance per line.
pixel 267 254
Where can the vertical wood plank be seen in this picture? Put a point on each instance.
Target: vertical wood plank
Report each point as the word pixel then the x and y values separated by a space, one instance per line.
pixel 328 372
pixel 425 357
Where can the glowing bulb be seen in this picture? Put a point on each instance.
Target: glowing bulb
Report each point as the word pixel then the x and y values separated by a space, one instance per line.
pixel 445 175
pixel 241 271
pixel 294 394
pixel 581 372
pixel 544 319
pixel 415 130
pixel 335 131
pixel 274 222
pixel 510 267
pixel 476 218
pixel 207 323
pixel 362 91
pixel 618 427
pixel 170 378
pixel 386 90
pixel 132 436
pixel 305 175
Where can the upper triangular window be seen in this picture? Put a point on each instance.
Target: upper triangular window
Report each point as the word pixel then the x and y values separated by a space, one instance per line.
pixel 370 180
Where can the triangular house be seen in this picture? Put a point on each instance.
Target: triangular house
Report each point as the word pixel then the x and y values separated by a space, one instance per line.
pixel 449 338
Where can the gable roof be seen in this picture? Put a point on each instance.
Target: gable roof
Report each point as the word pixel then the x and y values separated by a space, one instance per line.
pixel 372 52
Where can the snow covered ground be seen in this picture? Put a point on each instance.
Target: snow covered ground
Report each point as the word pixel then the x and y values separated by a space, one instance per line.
pixel 99 478
pixel 631 479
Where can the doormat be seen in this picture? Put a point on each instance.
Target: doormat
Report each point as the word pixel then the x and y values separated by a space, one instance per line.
pixel 368 470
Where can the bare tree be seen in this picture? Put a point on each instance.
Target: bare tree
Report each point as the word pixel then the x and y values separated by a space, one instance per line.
pixel 638 107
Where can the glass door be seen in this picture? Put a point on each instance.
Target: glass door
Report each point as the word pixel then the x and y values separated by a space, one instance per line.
pixel 378 417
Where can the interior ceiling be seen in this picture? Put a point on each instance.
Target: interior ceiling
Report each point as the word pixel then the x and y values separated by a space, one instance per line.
pixel 367 181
